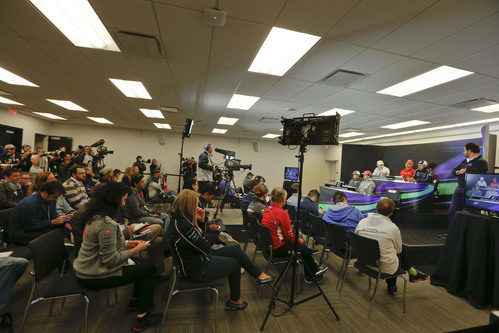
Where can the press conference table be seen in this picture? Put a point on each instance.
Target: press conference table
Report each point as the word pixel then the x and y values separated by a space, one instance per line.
pixel 469 263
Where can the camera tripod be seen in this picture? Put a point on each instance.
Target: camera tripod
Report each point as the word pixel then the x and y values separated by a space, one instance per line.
pixel 293 262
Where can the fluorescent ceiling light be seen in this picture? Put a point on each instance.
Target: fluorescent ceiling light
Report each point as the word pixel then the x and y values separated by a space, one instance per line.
pixel 424 81
pixel 271 136
pixel 227 121
pixel 405 124
pixel 9 101
pixel 100 120
pixel 281 50
pixel 162 125
pixel 12 78
pixel 351 134
pixel 332 112
pixel 422 130
pixel 77 20
pixel 49 115
pixel 67 105
pixel 133 89
pixel 242 102
pixel 150 113
pixel 219 130
pixel 488 108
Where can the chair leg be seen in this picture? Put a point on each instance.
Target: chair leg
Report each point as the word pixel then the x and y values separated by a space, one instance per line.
pixel 254 254
pixel 87 302
pixel 52 303
pixel 340 276
pixel 403 295
pixel 215 291
pixel 30 298
pixel 116 297
pixel 63 303
pixel 108 303
pixel 170 295
pixel 369 290
pixel 245 244
pixel 344 277
pixel 372 298
pixel 322 255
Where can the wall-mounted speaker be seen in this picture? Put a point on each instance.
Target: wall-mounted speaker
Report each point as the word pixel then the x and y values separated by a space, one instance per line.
pixel 162 139
pixel 256 146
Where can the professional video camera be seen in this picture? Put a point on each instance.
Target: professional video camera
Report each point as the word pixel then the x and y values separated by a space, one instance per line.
pixel 231 163
pixel 55 153
pixel 98 159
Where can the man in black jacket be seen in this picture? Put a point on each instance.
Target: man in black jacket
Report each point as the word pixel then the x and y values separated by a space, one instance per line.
pixel 205 166
pixel 474 163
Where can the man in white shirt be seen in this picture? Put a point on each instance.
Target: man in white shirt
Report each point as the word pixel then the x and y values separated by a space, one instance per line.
pixel 293 199
pixel 381 170
pixel 378 226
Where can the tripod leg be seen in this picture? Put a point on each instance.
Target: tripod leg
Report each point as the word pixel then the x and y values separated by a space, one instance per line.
pixel 277 287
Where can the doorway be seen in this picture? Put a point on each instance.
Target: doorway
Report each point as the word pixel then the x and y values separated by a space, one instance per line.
pixel 11 135
pixel 56 142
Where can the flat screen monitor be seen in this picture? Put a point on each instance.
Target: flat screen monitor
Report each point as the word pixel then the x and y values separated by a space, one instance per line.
pixel 290 173
pixel 482 191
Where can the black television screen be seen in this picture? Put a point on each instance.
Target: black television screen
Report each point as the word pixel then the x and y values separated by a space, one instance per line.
pixel 482 191
pixel 290 173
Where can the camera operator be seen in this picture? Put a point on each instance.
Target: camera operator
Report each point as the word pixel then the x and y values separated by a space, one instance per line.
pixel 87 156
pixel 154 166
pixel 205 166
pixel 140 164
pixel 11 157
pixel 25 159
pixel 64 166
pixel 189 168
pixel 39 163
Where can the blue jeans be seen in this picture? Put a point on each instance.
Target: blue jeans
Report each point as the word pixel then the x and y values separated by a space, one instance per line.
pixel 11 269
pixel 457 203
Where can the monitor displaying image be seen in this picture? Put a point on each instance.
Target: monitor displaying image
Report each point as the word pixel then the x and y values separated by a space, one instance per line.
pixel 482 191
pixel 290 173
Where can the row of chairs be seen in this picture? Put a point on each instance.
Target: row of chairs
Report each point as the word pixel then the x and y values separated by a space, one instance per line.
pixel 335 239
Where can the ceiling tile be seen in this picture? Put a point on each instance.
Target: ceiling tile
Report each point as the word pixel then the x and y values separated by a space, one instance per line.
pixel 480 62
pixel 286 88
pixel 315 93
pixel 342 97
pixel 261 11
pixel 222 79
pixel 190 4
pixel 371 61
pixel 256 84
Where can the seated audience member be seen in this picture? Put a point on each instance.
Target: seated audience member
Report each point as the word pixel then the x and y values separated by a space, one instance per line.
pixel 117 175
pixel 198 262
pixel 293 199
pixel 64 167
pixel 367 186
pixel 408 172
pixel 311 203
pixel 259 201
pixel 494 182
pixel 107 175
pixel 277 220
pixel 355 181
pixel 86 158
pixel 25 182
pixel 135 170
pixel 246 200
pixel 36 215
pixel 139 163
pixel 247 182
pixel 378 226
pixel 10 187
pixel 89 181
pixel 104 253
pixel 76 193
pixel 381 171
pixel 342 214
pixel 10 156
pixel 154 187
pixel 127 177
pixel 424 174
pixel 11 269
pixel 481 182
pixel 136 210
pixel 191 184
pixel 62 205
pixel 154 166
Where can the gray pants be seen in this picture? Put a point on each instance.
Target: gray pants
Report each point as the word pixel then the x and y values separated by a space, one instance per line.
pixel 11 269
pixel 162 220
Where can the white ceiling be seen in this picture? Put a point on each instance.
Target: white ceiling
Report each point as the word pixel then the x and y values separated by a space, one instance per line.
pixel 202 66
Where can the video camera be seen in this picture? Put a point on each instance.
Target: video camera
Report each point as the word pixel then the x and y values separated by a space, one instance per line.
pixel 231 163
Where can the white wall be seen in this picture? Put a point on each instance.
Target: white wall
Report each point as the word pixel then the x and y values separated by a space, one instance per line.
pixel 269 161
pixel 30 125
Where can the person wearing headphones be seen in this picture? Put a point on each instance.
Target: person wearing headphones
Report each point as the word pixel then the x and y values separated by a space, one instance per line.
pixel 205 166
pixel 367 186
pixel 356 180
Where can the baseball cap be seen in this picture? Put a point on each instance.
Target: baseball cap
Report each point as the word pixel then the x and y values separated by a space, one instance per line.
pixel 367 172
pixel 410 161
pixel 380 162
pixel 356 172
pixel 10 146
pixel 423 162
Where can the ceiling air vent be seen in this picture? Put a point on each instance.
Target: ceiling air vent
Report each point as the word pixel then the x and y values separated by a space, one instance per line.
pixel 139 43
pixel 343 78
pixel 474 103
pixel 270 120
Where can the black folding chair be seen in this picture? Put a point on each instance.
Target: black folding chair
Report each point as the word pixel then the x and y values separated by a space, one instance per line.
pixel 5 244
pixel 265 243
pixel 318 233
pixel 367 252
pixel 337 244
pixel 291 212
pixel 245 228
pixel 178 284
pixel 253 221
pixel 305 224
pixel 49 254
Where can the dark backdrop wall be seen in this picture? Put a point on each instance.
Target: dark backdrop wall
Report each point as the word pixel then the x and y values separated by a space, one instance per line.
pixel 442 157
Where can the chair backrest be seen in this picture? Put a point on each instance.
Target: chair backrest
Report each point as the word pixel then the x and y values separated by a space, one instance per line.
pixel 366 250
pixel 48 253
pixel 253 220
pixel 245 218
pixel 292 213
pixel 264 238
pixel 4 222
pixel 317 227
pixel 337 236
pixel 304 221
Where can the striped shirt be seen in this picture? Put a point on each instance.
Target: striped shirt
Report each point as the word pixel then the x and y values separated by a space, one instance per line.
pixel 76 194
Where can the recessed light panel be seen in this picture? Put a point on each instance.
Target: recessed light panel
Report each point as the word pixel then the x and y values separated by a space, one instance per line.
pixel 219 131
pixel 12 78
pixel 350 134
pixel 332 112
pixel 405 124
pixel 162 125
pixel 100 120
pixel 271 136
pixel 242 102
pixel 9 101
pixel 67 105
pixel 227 121
pixel 133 89
pixel 150 113
pixel 49 115
pixel 488 108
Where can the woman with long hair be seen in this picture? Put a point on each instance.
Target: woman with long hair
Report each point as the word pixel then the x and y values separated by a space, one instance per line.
pixel 104 256
pixel 198 262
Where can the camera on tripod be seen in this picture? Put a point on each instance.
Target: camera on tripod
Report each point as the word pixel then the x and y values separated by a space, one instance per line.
pixel 231 163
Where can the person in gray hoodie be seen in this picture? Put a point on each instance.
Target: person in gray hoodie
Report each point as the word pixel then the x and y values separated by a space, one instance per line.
pixel 367 186
pixel 342 214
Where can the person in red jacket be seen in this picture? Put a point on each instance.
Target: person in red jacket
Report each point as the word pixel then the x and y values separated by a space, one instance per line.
pixel 277 220
pixel 408 172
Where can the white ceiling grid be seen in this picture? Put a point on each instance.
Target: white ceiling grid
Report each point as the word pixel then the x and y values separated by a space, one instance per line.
pixel 202 66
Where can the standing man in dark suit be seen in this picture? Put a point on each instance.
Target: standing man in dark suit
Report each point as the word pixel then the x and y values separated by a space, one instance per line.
pixel 474 163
